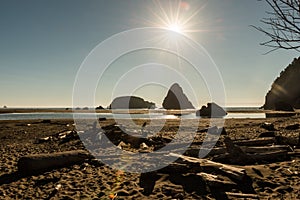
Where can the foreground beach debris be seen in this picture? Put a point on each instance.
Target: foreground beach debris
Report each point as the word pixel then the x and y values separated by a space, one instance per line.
pixel 223 174
pixel 36 163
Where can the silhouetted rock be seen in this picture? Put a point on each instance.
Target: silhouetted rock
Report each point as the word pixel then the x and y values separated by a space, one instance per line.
pixel 130 102
pixel 286 88
pixel 176 99
pixel 99 108
pixel 211 110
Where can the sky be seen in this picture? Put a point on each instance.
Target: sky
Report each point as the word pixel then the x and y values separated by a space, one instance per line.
pixel 43 44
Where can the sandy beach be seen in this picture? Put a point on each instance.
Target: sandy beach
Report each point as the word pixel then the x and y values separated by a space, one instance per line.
pixel 276 179
pixel 161 99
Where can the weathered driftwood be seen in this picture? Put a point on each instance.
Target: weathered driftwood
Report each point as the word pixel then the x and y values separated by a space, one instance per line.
pixel 267 156
pixel 232 172
pixel 296 152
pixel 256 142
pixel 292 141
pixel 194 151
pixel 267 134
pixel 236 154
pixel 268 126
pixel 43 140
pixel 41 162
pixel 239 156
pixel 263 149
pixel 67 136
pixel 177 168
pixel 214 181
pixel 247 149
pixel 241 195
pixel 257 157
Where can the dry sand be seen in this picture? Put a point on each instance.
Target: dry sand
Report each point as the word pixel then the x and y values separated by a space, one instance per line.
pixel 275 180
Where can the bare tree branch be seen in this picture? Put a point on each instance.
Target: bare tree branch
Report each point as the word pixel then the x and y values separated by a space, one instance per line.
pixel 282 25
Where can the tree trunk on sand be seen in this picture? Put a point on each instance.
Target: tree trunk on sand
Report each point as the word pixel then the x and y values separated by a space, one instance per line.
pixel 42 162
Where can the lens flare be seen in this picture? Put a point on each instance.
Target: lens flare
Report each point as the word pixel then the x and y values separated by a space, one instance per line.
pixel 176 15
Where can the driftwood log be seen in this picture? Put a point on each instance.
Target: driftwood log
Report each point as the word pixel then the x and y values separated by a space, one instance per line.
pixel 292 141
pixel 236 154
pixel 231 171
pixel 267 156
pixel 296 152
pixel 264 149
pixel 214 181
pixel 246 149
pixel 31 164
pixel 257 157
pixel 232 195
pixel 256 142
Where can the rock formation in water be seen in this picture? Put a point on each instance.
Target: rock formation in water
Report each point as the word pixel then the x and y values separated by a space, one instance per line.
pixel 130 102
pixel 176 99
pixel 285 91
pixel 211 110
pixel 99 108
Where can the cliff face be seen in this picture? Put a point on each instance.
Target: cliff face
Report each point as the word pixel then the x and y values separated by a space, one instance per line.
pixel 286 89
pixel 130 102
pixel 176 99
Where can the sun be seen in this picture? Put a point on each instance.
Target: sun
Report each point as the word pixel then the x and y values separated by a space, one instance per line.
pixel 175 15
pixel 175 28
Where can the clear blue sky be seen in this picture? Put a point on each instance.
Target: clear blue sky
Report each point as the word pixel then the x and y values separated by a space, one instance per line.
pixel 43 43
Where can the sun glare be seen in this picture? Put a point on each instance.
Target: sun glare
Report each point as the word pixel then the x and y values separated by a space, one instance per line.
pixel 175 27
pixel 175 15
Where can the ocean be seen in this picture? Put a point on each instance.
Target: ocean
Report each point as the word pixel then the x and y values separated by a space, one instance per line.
pixel 233 112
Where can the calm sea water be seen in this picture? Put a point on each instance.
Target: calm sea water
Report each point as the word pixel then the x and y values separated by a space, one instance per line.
pixel 63 115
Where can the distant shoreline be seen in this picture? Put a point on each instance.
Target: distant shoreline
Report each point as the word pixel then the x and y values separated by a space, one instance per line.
pixel 132 111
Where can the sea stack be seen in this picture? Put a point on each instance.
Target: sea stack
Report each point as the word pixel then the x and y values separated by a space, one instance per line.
pixel 176 99
pixel 131 102
pixel 211 110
